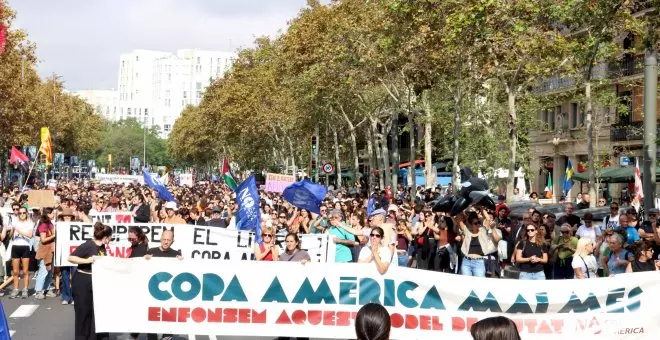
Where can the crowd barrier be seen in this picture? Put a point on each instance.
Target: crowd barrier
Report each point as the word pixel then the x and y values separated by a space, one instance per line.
pixel 195 242
pixel 313 300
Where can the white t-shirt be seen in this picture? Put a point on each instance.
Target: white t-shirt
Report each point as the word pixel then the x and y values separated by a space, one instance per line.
pixel 24 227
pixel 383 252
pixel 591 232
pixel 589 262
pixel 610 222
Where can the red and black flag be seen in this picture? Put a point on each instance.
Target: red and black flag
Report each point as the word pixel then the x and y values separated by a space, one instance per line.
pixel 18 158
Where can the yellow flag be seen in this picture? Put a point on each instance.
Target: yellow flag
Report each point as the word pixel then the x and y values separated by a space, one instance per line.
pixel 46 145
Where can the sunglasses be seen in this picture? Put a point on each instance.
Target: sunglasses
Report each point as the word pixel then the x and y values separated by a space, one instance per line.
pixel 282 216
pixel 14 209
pixel 531 230
pixel 23 213
pixel 267 235
pixel 132 239
pixel 376 235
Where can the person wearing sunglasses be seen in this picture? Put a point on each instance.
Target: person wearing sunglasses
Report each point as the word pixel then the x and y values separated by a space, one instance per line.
pixel 377 253
pixel 20 232
pixel 649 228
pixel 561 250
pixel 479 243
pixel 532 254
pixel 643 261
pixel 267 250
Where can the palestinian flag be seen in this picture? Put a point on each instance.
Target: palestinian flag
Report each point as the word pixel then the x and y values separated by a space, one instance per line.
pixel 18 158
pixel 226 175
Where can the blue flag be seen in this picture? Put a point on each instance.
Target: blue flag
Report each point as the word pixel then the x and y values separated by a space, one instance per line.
pixel 4 326
pixel 568 178
pixel 306 195
pixel 214 179
pixel 249 215
pixel 156 185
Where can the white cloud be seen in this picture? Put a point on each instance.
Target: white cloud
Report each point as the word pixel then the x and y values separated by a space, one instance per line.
pixel 81 39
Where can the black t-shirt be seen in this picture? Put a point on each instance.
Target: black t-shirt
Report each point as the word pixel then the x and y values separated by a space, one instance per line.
pixel 138 250
pixel 156 252
pixel 530 249
pixel 572 220
pixel 87 250
pixel 217 222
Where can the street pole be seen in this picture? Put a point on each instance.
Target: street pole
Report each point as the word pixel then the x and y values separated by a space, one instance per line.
pixel 650 127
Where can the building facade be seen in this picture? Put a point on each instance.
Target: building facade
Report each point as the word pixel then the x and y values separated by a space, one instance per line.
pixel 154 87
pixel 617 135
pixel 105 102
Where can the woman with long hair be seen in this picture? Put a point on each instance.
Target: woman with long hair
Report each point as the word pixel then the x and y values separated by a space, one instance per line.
pixel 20 233
pixel 267 250
pixel 584 263
pixel 139 242
pixel 84 256
pixel 140 209
pixel 643 261
pixel 46 232
pixel 373 322
pixel 532 254
pixel 479 240
pixel 495 328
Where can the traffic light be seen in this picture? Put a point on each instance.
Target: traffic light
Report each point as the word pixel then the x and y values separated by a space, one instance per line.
pixel 313 143
pixel 313 168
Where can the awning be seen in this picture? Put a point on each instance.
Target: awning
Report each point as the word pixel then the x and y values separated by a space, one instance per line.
pixel 612 175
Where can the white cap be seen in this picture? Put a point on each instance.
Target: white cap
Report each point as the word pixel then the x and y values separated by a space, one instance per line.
pixel 171 205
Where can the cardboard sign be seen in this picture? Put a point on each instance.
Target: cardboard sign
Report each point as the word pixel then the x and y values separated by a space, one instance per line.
pixel 41 199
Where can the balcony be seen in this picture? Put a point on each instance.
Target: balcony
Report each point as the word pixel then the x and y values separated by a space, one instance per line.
pixel 628 132
pixel 629 65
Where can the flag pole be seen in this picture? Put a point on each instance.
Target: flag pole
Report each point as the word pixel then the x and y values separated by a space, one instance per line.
pixel 36 158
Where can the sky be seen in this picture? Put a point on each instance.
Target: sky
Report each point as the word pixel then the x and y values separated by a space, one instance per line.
pixel 81 40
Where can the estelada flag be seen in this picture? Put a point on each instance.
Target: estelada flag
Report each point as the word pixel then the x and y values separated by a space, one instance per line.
pixel 46 145
pixel 18 158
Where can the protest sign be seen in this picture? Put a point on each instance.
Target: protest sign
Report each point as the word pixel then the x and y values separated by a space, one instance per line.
pixel 119 179
pixel 195 242
pixel 41 199
pixel 112 217
pixel 291 299
pixel 186 179
pixel 277 182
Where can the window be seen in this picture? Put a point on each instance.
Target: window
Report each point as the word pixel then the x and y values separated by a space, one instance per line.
pixel 140 112
pixel 137 75
pixel 199 95
pixel 551 118
pixel 199 60
pixel 128 111
pixel 167 127
pixel 146 111
pixel 574 115
pixel 169 76
pixel 198 85
pixel 137 58
pixel 185 94
pixel 545 116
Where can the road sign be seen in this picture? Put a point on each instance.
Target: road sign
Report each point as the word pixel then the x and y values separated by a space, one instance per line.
pixel 328 168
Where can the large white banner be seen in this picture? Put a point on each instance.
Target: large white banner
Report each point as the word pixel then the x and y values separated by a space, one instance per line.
pixel 119 179
pixel 112 217
pixel 291 299
pixel 195 242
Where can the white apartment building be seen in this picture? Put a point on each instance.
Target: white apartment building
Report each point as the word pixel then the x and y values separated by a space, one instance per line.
pixel 154 87
pixel 105 102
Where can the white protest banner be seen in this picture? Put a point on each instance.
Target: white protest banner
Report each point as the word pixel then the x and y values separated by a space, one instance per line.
pixel 186 179
pixel 195 242
pixel 112 217
pixel 119 179
pixel 291 299
pixel 277 182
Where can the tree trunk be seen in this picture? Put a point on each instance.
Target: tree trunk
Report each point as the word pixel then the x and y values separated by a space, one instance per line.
pixel 428 148
pixel 337 160
pixel 590 145
pixel 372 161
pixel 513 141
pixel 292 154
pixel 316 153
pixel 382 136
pixel 379 159
pixel 356 160
pixel 456 134
pixel 413 156
pixel 394 133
